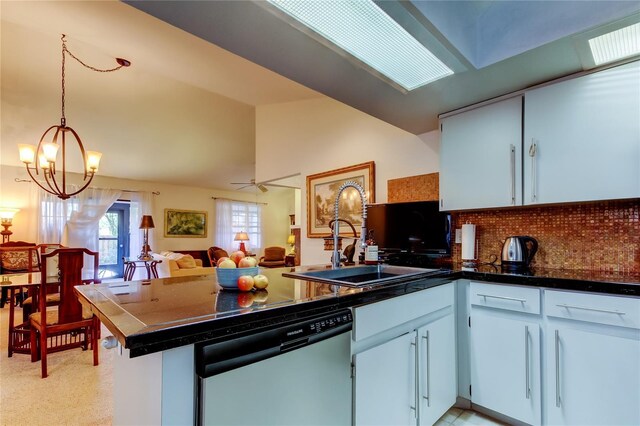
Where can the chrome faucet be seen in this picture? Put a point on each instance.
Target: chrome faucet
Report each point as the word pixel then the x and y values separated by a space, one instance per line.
pixel 335 261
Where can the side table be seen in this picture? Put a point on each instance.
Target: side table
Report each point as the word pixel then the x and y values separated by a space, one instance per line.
pixel 131 263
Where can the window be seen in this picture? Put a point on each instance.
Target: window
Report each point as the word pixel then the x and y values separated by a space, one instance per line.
pixel 246 217
pixel 236 216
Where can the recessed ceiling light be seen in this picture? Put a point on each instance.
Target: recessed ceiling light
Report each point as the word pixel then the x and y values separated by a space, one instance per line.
pixel 616 45
pixel 365 31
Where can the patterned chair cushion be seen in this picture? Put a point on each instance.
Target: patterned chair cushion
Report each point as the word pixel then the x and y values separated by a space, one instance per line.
pixel 17 260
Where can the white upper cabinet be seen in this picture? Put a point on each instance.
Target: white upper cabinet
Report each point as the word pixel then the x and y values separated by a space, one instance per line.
pixel 481 157
pixel 582 138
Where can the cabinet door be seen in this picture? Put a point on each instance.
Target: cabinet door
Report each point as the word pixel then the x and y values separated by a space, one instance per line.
pixel 505 365
pixel 592 378
pixel 480 157
pixel 586 134
pixel 385 383
pixel 436 369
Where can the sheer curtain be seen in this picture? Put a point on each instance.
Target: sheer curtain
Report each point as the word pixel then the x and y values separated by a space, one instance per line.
pixel 237 216
pixel 53 215
pixel 82 226
pixel 224 224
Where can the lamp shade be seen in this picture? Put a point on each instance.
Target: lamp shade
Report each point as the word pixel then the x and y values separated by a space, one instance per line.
pixel 147 222
pixel 291 239
pixel 7 213
pixel 241 236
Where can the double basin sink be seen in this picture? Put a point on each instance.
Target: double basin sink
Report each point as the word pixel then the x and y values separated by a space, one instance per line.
pixel 362 275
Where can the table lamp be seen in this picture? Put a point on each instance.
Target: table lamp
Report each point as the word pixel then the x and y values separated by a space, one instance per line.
pixel 146 223
pixel 242 237
pixel 291 240
pixel 6 220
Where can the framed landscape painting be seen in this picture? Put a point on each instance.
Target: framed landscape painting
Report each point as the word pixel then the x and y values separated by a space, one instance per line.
pixel 322 189
pixel 185 223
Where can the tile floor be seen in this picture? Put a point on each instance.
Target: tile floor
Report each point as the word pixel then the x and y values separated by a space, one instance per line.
pixel 460 417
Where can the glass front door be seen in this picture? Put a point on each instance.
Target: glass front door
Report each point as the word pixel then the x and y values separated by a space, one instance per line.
pixel 114 240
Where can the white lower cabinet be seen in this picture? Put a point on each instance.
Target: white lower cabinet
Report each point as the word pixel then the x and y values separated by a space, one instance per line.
pixel 385 383
pixel 406 374
pixel 505 350
pixel 505 369
pixel 437 369
pixel 593 368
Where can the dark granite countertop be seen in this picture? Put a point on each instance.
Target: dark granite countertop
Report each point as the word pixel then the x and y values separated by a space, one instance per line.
pixel 627 284
pixel 154 315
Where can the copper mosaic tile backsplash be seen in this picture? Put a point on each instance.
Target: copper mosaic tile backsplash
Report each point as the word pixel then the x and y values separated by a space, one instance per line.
pixel 600 236
pixel 414 188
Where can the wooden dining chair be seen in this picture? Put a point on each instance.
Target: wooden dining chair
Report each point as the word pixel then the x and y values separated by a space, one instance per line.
pixel 30 304
pixel 67 326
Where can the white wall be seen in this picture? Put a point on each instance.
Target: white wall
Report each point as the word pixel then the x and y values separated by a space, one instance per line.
pixel 317 135
pixel 280 204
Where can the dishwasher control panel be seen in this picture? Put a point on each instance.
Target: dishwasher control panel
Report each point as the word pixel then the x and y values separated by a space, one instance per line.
pixel 331 322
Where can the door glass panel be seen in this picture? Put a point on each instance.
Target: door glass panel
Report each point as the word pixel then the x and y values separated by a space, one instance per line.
pixel 113 233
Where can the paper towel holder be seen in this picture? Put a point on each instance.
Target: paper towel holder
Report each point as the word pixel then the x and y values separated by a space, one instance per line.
pixel 469 246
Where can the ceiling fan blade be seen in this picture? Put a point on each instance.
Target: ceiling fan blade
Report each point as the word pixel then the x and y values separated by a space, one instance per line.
pixel 243 187
pixel 262 188
pixel 241 183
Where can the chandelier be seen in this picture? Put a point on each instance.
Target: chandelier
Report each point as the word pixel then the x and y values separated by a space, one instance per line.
pixel 44 155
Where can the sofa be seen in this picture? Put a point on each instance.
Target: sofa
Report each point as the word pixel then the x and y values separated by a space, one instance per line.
pixel 176 264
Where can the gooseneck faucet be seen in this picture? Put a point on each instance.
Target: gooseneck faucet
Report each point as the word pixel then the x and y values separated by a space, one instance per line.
pixel 335 261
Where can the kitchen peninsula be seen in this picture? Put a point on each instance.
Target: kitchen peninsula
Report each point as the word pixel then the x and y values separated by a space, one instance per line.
pixel 160 323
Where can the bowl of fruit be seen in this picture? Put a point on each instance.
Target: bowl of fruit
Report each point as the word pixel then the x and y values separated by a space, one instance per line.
pixel 238 272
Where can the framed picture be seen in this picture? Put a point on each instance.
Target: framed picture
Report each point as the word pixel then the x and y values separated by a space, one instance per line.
pixel 322 189
pixel 185 223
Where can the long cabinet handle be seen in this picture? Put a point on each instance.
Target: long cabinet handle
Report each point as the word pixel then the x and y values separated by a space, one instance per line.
pixel 428 356
pixel 512 153
pixel 502 298
pixel 557 369
pixel 526 362
pixel 584 308
pixel 533 148
pixel 416 376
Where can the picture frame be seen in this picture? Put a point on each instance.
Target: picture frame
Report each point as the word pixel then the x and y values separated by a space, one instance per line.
pixel 322 190
pixel 179 223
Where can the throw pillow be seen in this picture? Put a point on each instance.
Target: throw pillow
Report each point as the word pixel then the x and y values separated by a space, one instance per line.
pixel 186 262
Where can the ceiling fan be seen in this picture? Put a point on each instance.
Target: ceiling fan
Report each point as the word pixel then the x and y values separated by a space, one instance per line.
pixel 252 182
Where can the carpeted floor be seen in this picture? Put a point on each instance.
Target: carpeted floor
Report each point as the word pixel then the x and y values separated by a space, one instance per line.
pixel 74 393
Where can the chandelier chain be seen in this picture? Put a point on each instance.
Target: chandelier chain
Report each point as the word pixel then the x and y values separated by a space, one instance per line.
pixel 65 50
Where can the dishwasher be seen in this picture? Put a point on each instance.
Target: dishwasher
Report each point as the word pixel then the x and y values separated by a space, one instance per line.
pixel 298 373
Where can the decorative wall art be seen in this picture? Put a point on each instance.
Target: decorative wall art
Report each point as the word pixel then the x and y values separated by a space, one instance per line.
pixel 322 189
pixel 185 223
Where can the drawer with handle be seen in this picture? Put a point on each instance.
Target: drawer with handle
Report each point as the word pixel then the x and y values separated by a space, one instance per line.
pixel 596 308
pixel 512 298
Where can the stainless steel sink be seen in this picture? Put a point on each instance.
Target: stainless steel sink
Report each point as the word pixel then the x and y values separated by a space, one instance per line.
pixel 359 276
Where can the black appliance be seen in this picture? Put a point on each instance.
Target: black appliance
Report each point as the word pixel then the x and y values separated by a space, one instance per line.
pixel 418 228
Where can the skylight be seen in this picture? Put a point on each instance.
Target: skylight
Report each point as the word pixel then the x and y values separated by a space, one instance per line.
pixel 616 45
pixel 365 31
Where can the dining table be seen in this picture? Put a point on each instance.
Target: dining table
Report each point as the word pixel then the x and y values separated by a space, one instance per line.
pixel 19 339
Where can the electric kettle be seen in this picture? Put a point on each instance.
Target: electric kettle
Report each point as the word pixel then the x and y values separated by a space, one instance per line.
pixel 517 252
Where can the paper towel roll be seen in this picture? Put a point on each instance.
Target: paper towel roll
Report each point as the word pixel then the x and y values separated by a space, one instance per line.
pixel 468 241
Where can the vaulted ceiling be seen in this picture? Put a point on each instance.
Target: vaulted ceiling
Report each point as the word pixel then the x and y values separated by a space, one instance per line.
pixel 184 112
